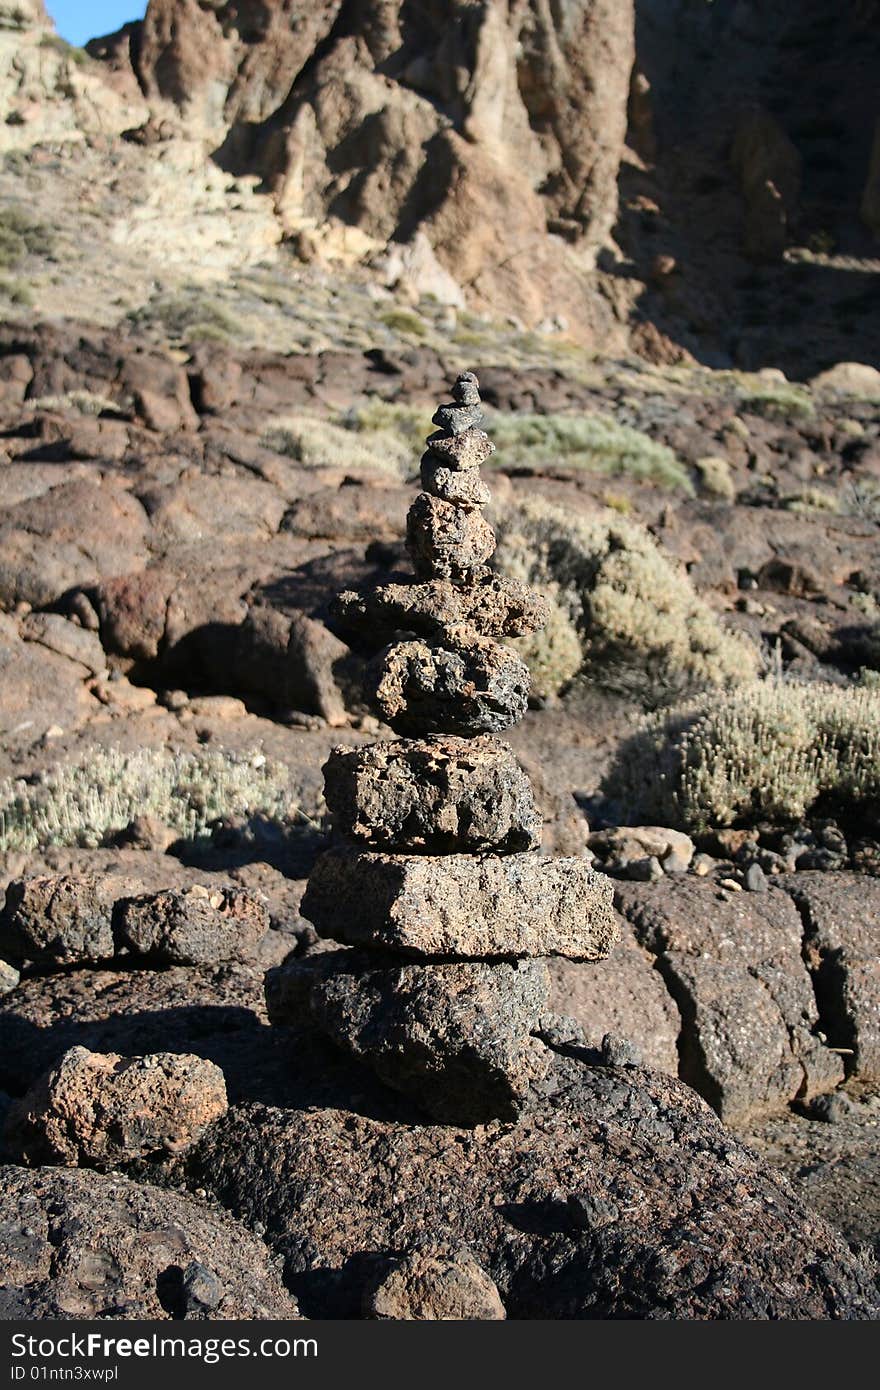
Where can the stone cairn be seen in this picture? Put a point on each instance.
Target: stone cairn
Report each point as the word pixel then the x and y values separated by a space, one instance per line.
pixel 436 877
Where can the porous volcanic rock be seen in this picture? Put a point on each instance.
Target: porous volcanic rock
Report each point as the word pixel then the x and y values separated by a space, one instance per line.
pixel 468 685
pixel 495 605
pixel 79 1244
pixel 97 1109
pixel 61 919
pixel 459 452
pixel 455 1036
pixel 434 1282
pixel 467 489
pixel 447 540
pixel 193 926
pixel 732 962
pixel 432 796
pixel 618 1194
pixel 841 916
pixel 514 905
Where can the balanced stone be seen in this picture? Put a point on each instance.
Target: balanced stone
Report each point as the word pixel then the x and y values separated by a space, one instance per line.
pixel 462 906
pixel 466 390
pixel 465 488
pixel 469 685
pixel 460 451
pixel 455 419
pixel 446 541
pixel 492 604
pixel 433 796
pixel 457 1037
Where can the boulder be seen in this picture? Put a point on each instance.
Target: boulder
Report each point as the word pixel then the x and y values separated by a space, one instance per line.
pixel 58 919
pixel 516 905
pixel 732 962
pixel 617 1195
pixel 98 1110
pixel 456 1037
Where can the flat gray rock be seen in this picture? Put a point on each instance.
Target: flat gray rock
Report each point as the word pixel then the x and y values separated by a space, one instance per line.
pixel 458 905
pixel 456 1037
pixel 433 796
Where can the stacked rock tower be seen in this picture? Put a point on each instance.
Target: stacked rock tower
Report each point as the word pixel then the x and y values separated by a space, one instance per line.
pixel 437 877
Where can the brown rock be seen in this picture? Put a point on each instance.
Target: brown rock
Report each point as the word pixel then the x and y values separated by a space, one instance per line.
pixel 457 1037
pixel 102 1109
pixel 841 916
pixel 193 926
pixel 445 541
pixel 464 489
pixel 460 453
pixel 58 920
pixel 77 1244
pixel 733 965
pixel 433 796
pixel 493 604
pixel 514 905
pixel 437 1283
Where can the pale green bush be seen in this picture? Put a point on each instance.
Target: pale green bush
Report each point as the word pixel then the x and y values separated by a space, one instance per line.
pixel 553 655
pixel 769 751
pixel 593 442
pixel 83 803
pixel 317 443
pixel 643 630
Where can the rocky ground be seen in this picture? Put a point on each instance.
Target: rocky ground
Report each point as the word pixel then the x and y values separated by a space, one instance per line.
pixel 209 426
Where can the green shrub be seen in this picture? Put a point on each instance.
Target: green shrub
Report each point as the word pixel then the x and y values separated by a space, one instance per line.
pixel 769 751
pixel 553 655
pixel 16 292
pixel 643 630
pixel 404 321
pixel 593 442
pixel 83 803
pixel 317 443
pixel 22 235
pixel 188 317
pixel 406 421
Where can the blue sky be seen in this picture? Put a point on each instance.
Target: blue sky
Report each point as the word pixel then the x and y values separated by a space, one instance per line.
pixel 79 20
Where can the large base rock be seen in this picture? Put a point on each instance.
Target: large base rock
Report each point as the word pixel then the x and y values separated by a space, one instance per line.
pixel 76 1244
pixel 516 905
pixel 618 1195
pixel 433 796
pixel 456 1037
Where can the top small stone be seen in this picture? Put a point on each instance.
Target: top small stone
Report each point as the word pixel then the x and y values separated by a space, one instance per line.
pixel 466 390
pixel 466 412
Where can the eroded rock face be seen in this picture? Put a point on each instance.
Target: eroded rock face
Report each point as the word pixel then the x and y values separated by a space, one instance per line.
pixel 456 1036
pixel 516 905
pixel 444 120
pixel 433 796
pixel 76 1244
pixel 97 1109
pixel 618 1195
pixel 733 965
pixel 468 685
